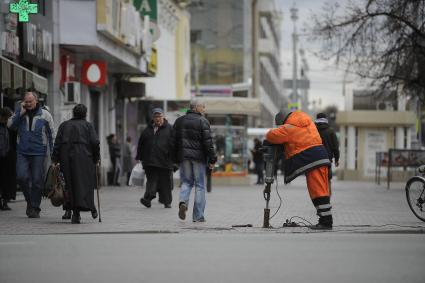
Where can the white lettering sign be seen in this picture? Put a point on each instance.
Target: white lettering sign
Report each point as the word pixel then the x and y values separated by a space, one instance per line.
pixel 145 7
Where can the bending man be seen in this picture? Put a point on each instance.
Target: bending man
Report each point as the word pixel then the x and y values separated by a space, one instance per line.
pixel 305 154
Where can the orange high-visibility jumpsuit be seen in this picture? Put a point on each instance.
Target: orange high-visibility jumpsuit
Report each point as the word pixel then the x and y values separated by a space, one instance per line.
pixel 305 154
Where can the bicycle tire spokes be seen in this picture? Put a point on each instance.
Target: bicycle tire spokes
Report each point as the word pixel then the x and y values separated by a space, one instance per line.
pixel 415 192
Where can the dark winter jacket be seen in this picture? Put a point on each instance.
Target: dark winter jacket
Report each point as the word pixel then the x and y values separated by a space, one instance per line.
pixel 114 151
pixel 157 149
pixel 329 139
pixel 35 131
pixel 257 154
pixel 194 138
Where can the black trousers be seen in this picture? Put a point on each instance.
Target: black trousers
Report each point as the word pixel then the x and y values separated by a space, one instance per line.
pixel 159 180
pixel 8 176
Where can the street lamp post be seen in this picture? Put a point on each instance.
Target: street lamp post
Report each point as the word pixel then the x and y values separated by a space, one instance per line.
pixel 294 18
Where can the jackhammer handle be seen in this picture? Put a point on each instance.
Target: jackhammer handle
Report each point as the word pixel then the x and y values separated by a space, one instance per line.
pixel 266 192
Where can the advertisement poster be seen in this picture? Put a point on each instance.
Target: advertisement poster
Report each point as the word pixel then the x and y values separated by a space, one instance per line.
pixel 376 141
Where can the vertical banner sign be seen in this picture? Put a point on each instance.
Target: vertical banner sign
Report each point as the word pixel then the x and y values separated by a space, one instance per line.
pixel 23 8
pixel 147 8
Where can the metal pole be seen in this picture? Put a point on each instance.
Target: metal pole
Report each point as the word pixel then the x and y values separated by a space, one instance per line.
pixel 97 188
pixel 294 18
pixel 419 116
pixel 254 42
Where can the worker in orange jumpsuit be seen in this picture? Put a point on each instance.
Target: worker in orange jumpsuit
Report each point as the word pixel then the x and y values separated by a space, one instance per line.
pixel 305 154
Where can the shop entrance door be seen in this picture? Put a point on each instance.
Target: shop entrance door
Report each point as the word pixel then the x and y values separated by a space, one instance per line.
pixel 94 109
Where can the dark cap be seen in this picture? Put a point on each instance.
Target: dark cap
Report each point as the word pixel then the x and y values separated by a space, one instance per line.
pixel 281 117
pixel 321 115
pixel 157 110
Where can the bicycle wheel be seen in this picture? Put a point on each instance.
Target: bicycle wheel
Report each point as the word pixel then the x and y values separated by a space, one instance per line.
pixel 415 194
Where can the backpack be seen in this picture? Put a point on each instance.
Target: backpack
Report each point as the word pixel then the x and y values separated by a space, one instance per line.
pixel 4 141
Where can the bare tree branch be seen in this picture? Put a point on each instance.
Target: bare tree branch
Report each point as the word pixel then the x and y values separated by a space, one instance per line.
pixel 383 40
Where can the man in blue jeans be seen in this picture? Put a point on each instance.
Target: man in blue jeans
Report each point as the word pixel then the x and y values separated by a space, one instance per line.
pixel 195 151
pixel 35 132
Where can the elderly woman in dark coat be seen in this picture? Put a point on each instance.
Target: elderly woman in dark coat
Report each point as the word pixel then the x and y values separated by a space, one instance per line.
pixel 77 151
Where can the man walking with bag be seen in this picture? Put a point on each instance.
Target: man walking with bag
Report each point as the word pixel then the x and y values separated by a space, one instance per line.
pixel 195 151
pixel 156 151
pixel 35 132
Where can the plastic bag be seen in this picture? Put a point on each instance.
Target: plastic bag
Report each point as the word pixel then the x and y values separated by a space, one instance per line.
pixel 137 176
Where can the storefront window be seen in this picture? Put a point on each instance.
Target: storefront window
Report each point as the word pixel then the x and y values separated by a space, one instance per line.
pixel 229 134
pixel 230 144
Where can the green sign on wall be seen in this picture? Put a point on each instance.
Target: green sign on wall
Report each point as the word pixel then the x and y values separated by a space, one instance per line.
pixel 23 8
pixel 147 8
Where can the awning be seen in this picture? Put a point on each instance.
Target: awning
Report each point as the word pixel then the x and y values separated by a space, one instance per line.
pixel 29 79
pixel 232 105
pixel 131 89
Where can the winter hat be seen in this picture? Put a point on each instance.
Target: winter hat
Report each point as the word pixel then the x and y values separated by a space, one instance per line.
pixel 321 115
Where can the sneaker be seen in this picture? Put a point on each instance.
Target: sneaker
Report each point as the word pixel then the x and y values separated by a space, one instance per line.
pixel 182 211
pixel 321 227
pixel 199 220
pixel 145 202
pixel 34 213
pixel 67 215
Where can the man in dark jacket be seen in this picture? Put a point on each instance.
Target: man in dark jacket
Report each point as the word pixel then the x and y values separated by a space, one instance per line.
pixel 156 151
pixel 77 151
pixel 195 151
pixel 329 139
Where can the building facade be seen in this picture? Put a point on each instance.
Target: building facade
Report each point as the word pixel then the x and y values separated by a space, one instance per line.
pixel 26 55
pixel 235 70
pixel 169 88
pixel 100 48
pixel 372 123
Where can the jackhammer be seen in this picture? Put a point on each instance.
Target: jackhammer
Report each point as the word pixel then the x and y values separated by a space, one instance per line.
pixel 271 154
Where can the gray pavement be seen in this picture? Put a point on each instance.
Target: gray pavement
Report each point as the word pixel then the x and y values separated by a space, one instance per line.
pixel 357 207
pixel 375 239
pixel 212 257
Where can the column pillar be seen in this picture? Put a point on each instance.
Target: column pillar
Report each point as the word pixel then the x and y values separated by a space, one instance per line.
pixel 342 149
pixel 399 138
pixel 351 148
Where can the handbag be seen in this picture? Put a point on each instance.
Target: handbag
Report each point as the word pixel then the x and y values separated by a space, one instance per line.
pixel 49 181
pixel 57 194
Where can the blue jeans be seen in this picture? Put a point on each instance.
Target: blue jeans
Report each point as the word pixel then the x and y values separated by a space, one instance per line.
pixel 30 177
pixel 192 173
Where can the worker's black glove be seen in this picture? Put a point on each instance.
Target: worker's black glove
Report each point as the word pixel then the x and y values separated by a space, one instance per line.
pixel 175 167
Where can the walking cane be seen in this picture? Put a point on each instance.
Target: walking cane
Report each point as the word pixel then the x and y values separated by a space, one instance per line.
pixel 97 188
